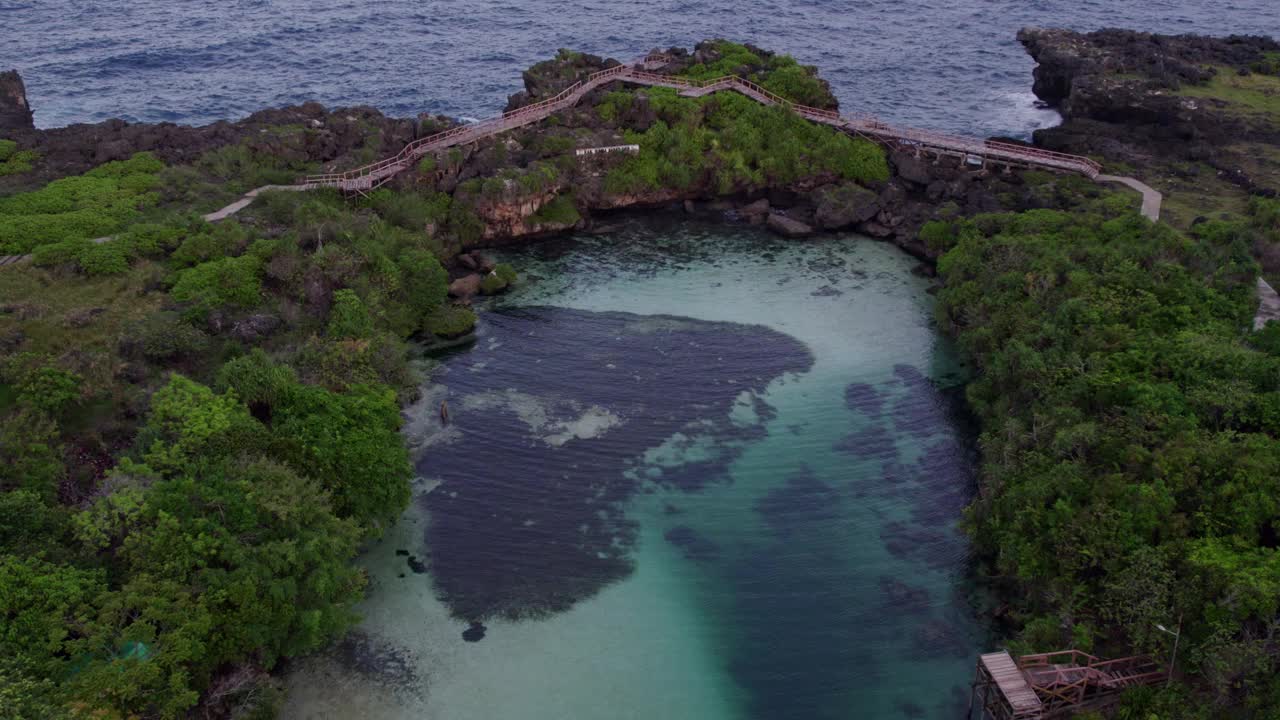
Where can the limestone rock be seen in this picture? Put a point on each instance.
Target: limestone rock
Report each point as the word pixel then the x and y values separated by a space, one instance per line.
pixel 910 167
pixel 466 286
pixel 758 208
pixel 843 205
pixel 788 227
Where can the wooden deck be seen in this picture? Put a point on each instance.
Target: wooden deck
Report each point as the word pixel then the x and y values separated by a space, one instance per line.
pixel 1048 686
pixel 1012 684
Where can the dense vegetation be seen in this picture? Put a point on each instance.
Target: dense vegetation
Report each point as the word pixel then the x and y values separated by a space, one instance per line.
pixel 199 425
pixel 734 144
pixel 98 203
pixel 780 74
pixel 1131 471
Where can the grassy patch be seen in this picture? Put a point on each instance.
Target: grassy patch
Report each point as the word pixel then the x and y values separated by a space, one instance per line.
pixel 100 202
pixel 84 317
pixel 1254 95
pixel 14 161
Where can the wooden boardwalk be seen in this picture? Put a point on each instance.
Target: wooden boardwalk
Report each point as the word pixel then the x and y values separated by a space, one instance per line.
pixel 968 149
pixel 1011 684
pixel 374 175
pixel 1054 685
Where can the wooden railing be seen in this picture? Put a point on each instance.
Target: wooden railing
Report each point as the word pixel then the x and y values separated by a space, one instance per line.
pixel 1071 678
pixel 376 174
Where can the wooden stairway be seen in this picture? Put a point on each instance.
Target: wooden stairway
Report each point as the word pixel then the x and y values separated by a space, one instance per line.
pixel 1052 685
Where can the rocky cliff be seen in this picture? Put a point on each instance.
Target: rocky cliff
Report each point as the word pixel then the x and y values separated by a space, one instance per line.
pixel 1130 95
pixel 15 112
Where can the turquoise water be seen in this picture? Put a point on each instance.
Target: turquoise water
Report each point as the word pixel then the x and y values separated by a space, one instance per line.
pixel 691 471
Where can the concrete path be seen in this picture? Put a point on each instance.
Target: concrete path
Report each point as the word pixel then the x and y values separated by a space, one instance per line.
pixel 1151 198
pixel 1268 305
pixel 214 216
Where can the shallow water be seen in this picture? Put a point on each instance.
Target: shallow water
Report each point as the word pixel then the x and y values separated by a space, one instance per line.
pixel 953 66
pixel 691 471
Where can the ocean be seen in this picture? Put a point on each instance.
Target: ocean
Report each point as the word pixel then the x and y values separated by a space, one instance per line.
pixel 951 66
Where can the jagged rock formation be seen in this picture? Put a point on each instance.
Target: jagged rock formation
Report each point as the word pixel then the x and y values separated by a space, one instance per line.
pixel 15 112
pixel 324 136
pixel 1118 92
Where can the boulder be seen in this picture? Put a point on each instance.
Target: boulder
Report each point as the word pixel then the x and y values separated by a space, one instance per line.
pixel 758 208
pixel 468 261
pixel 916 169
pixel 255 327
pixel 843 205
pixel 876 230
pixel 15 112
pixel 466 286
pixel 788 227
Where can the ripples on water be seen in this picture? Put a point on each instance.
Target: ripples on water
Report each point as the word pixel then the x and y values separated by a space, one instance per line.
pixel 946 65
pixel 691 471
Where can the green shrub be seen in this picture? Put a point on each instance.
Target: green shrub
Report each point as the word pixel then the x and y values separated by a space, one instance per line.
pixel 734 59
pixel 151 239
pixel 450 321
pixel 164 336
pixel 506 272
pixel 59 253
pixel 796 82
pixel 424 281
pixel 561 210
pixel 427 165
pixel 214 241
pixel 937 235
pixel 143 163
pixel 31 455
pixel 256 379
pixel 348 318
pixel 108 258
pixel 492 284
pixel 228 282
pixel 1267 339
pixel 47 388
pixel 351 442
pixel 242 169
pixel 14 161
pixel 410 210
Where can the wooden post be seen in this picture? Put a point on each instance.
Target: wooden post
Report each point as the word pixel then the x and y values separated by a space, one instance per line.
pixel 973 688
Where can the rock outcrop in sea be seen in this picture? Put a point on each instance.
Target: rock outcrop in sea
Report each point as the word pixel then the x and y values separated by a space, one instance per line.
pixel 15 112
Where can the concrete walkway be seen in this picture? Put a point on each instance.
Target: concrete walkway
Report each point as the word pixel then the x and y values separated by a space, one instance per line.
pixel 1268 305
pixel 1151 198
